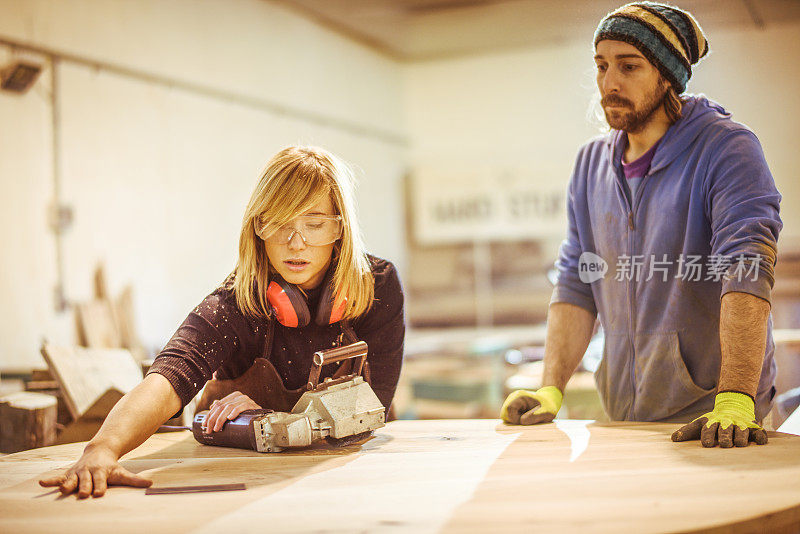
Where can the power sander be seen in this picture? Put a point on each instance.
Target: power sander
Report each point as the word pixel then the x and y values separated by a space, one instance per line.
pixel 336 409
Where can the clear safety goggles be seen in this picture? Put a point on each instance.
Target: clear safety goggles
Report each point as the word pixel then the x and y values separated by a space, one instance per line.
pixel 314 230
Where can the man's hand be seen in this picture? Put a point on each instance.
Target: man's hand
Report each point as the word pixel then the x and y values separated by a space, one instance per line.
pixel 531 407
pixel 731 422
pixel 97 469
pixel 227 408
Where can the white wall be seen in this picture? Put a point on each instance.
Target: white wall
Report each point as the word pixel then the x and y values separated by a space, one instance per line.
pixel 528 108
pixel 756 76
pixel 524 109
pixel 158 176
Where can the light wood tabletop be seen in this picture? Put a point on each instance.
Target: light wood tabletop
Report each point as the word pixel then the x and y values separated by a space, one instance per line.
pixel 431 476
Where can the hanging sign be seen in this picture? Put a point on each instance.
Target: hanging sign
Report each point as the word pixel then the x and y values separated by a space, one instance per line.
pixel 487 205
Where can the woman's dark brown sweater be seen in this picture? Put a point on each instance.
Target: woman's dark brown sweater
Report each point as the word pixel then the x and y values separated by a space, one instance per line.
pixel 218 337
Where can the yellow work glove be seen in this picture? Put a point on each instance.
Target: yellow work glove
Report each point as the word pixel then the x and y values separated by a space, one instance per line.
pixel 531 407
pixel 731 422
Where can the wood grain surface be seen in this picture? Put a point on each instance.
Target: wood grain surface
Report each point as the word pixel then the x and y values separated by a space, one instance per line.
pixel 432 476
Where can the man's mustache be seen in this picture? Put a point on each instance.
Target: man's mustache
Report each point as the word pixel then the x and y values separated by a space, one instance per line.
pixel 612 100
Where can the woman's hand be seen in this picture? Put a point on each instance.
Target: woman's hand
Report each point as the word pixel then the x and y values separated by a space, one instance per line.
pixel 227 408
pixel 97 469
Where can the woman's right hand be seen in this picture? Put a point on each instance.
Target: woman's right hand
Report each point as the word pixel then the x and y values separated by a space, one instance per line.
pixel 227 408
pixel 97 469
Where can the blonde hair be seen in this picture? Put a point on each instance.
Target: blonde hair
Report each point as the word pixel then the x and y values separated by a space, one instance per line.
pixel 293 181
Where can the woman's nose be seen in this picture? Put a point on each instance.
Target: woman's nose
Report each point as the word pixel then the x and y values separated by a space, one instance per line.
pixel 297 241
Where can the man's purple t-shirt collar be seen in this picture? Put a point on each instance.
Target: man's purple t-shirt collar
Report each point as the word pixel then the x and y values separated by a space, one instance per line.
pixel 639 168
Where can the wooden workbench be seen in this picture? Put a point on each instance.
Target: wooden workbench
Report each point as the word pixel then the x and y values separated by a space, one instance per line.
pixel 430 476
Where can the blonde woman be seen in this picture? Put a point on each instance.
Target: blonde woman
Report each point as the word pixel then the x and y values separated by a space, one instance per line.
pixel 303 282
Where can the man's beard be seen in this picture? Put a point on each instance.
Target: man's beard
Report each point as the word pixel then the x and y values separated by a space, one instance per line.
pixel 634 120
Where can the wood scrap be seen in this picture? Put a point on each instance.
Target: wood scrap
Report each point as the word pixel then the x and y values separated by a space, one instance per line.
pixel 126 324
pixel 27 421
pixel 41 374
pixel 95 319
pixel 100 283
pixel 97 327
pixel 92 380
pixel 105 322
pixel 41 385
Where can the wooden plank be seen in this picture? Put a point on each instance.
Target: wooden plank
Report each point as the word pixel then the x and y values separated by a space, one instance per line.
pixel 434 476
pixel 100 283
pixel 41 374
pixel 41 385
pixel 96 324
pixel 104 322
pixel 126 324
pixel 92 380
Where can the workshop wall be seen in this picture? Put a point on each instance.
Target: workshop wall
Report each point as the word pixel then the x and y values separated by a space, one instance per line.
pixel 157 174
pixel 530 107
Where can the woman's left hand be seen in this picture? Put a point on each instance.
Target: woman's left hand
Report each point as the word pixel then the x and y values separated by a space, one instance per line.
pixel 226 409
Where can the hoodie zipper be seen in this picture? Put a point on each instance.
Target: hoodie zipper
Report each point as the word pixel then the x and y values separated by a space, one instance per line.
pixel 632 204
pixel 632 306
pixel 636 200
pixel 629 206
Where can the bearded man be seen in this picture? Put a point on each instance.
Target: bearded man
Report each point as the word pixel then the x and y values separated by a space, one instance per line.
pixel 673 222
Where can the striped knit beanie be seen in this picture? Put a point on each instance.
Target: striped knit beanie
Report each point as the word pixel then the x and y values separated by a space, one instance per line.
pixel 668 37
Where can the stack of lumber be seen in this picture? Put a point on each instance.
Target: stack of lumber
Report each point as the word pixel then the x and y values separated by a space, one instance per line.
pixel 85 381
pixel 108 323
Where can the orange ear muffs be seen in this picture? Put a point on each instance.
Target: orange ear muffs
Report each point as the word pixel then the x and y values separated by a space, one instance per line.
pixel 328 311
pixel 288 303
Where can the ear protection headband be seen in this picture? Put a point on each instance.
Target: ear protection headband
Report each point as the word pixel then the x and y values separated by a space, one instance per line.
pixel 290 307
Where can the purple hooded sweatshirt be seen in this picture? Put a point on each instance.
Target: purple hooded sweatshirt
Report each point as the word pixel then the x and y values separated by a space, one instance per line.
pixel 703 222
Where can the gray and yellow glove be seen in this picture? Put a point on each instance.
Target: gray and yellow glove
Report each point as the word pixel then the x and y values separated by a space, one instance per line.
pixel 731 422
pixel 531 407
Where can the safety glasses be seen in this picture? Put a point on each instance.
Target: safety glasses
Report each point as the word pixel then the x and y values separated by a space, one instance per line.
pixel 314 230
